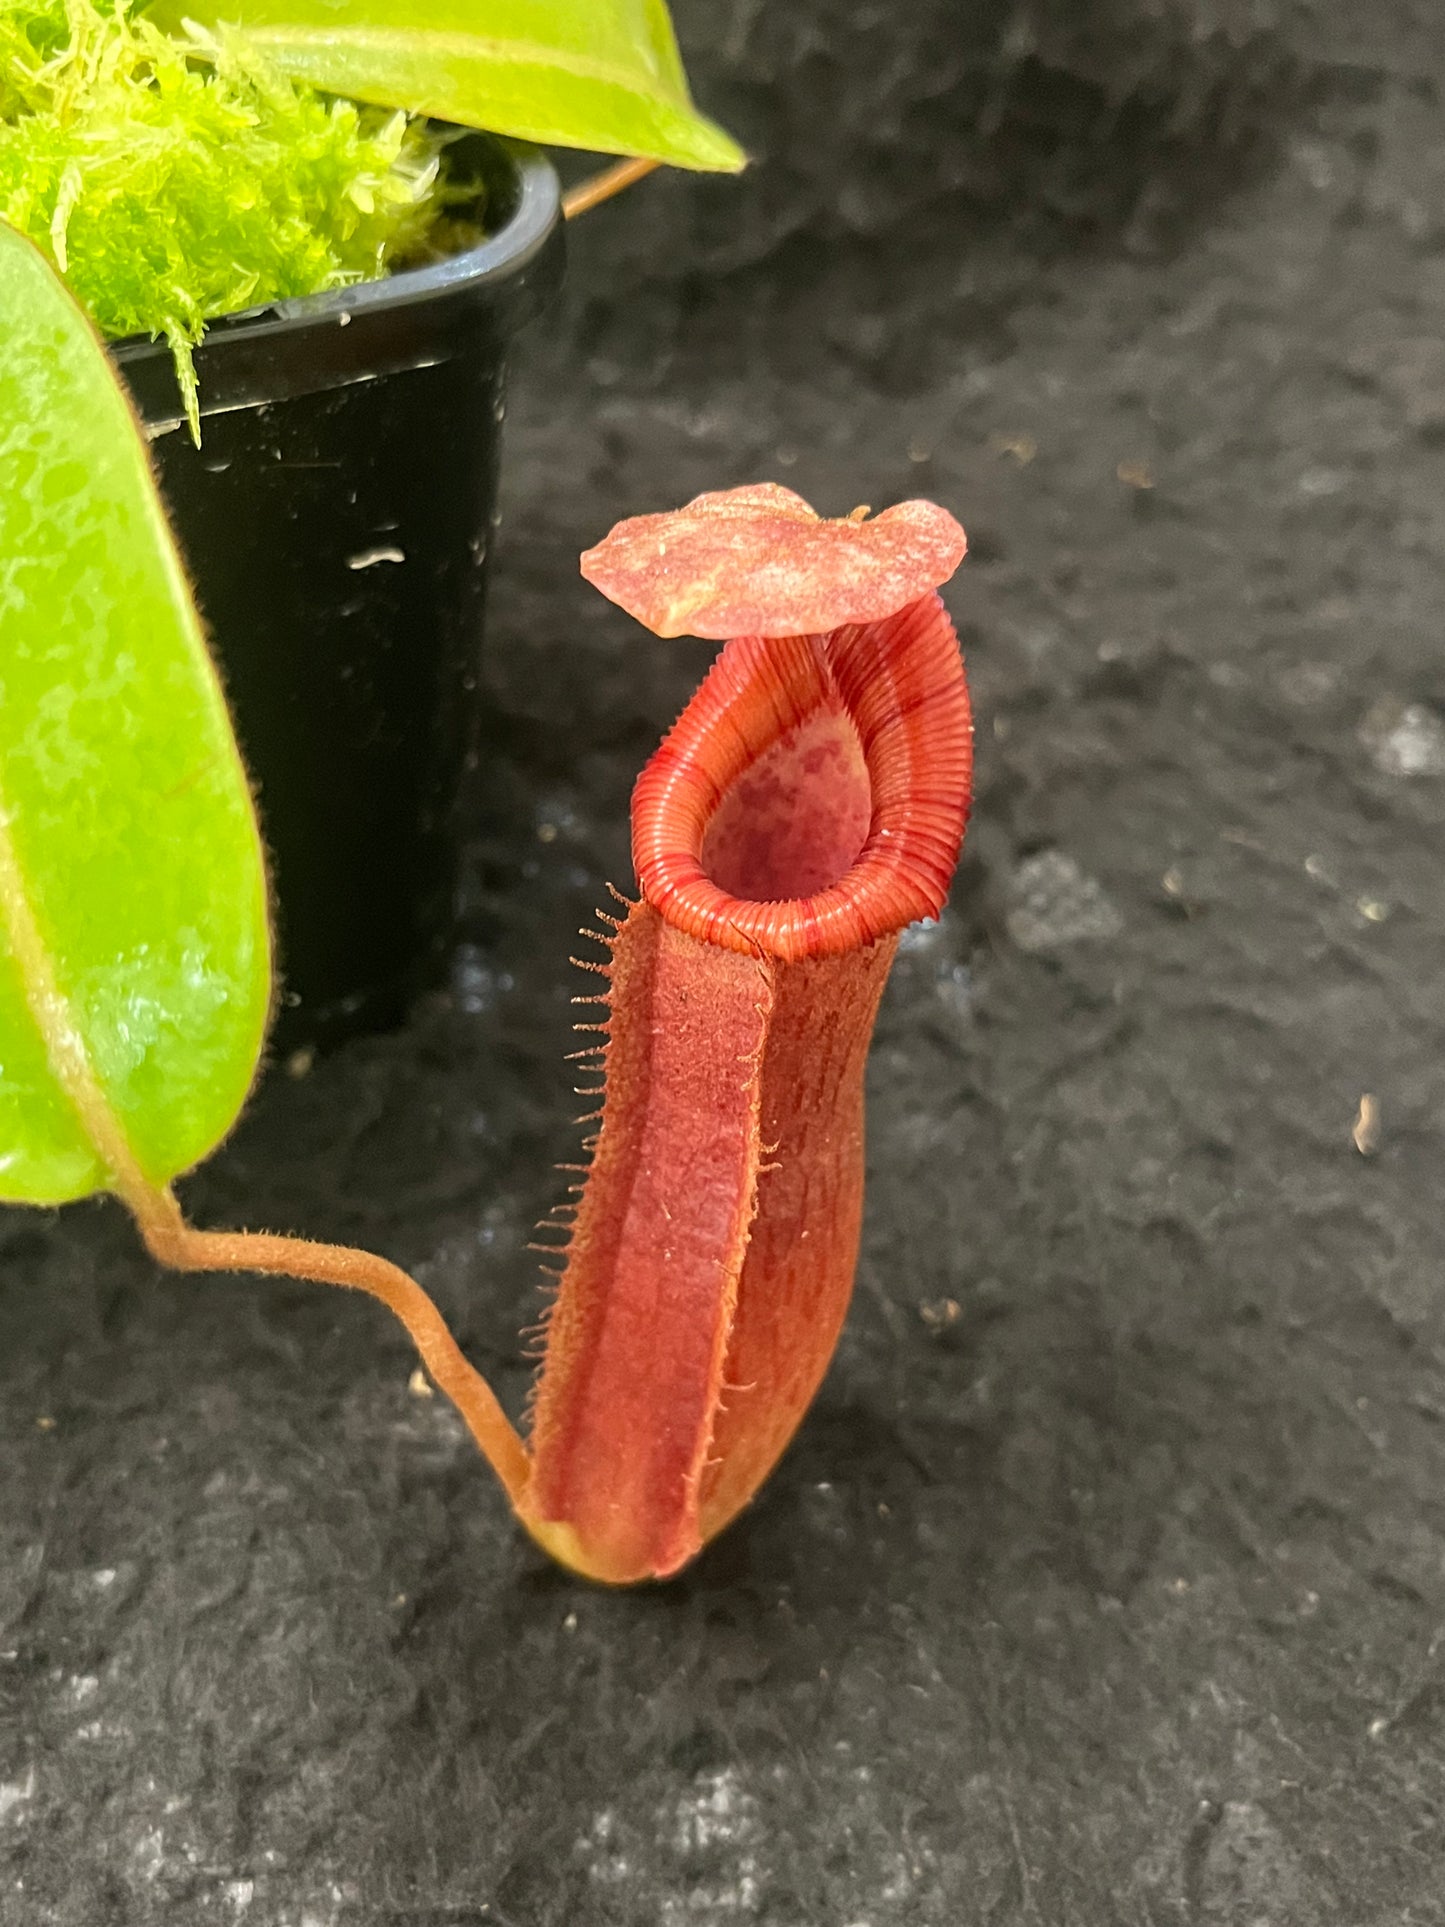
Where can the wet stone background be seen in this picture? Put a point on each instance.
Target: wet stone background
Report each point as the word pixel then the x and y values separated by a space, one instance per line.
pixel 1106 1582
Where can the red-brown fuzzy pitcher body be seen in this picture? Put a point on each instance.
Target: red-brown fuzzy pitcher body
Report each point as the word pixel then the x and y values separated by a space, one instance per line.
pixel 808 804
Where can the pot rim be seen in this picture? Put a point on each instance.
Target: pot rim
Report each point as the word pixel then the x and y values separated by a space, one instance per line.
pixel 522 236
pixel 304 344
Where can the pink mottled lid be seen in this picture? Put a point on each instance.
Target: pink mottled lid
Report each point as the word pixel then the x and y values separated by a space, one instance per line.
pixel 758 561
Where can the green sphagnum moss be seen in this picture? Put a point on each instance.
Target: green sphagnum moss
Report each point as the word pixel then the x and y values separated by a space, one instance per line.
pixel 173 181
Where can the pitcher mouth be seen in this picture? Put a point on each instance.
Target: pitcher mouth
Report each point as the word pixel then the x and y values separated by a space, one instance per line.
pixel 813 796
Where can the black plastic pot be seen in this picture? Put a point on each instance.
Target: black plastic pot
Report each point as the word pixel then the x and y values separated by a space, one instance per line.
pixel 338 521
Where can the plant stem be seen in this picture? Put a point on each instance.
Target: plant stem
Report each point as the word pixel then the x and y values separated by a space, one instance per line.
pixel 175 1243
pixel 601 187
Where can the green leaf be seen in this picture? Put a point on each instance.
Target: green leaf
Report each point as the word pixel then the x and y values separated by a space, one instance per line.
pixel 602 74
pixel 134 949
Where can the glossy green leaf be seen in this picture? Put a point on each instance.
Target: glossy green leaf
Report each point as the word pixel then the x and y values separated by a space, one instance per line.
pixel 602 74
pixel 134 949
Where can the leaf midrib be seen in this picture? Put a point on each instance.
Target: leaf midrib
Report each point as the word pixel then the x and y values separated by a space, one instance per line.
pixel 50 1011
pixel 502 53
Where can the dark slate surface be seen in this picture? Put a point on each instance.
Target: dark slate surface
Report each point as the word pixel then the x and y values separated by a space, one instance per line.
pixel 1106 1583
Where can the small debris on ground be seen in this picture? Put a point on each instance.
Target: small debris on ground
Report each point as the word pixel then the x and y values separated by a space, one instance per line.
pixel 1172 884
pixel 940 1313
